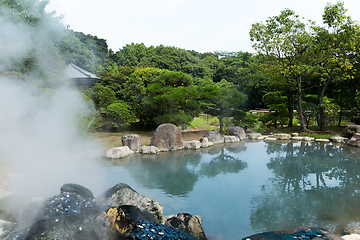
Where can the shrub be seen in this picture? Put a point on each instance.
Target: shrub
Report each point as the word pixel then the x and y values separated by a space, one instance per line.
pixel 120 115
pixel 245 120
pixel 101 96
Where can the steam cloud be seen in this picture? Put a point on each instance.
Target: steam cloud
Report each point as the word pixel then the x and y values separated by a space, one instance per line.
pixel 39 141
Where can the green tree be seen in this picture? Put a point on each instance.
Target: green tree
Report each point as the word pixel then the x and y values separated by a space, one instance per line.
pixel 220 99
pixel 171 98
pixel 284 44
pixel 335 44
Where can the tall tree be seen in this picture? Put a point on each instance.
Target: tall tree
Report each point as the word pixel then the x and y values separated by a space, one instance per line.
pixel 335 44
pixel 284 44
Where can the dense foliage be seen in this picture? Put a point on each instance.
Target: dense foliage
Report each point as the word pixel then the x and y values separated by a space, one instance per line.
pixel 300 70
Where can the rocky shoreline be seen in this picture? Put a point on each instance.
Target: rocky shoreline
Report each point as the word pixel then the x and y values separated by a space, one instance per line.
pixel 168 137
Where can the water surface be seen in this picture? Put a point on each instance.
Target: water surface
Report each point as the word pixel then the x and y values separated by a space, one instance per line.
pixel 250 187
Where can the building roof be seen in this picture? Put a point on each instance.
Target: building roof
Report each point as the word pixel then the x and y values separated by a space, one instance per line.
pixel 73 71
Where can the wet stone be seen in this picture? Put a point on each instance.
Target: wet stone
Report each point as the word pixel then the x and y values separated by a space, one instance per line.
pixel 144 229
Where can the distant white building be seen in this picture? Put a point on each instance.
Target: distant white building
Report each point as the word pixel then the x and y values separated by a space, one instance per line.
pixel 81 78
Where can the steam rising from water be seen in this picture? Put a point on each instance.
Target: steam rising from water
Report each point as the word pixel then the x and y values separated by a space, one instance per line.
pixel 40 141
pixel 38 138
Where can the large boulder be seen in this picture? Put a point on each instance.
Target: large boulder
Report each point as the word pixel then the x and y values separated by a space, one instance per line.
pixel 214 136
pixel 69 215
pixel 355 140
pixel 237 131
pixel 302 232
pixel 187 223
pixel 123 194
pixel 133 141
pixel 118 152
pixel 167 137
pixel 350 130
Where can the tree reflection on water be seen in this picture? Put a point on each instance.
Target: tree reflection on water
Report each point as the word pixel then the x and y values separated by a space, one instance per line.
pixel 313 183
pixel 177 172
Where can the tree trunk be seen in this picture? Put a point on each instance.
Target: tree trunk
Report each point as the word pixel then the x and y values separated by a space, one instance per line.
pixel 352 89
pixel 321 94
pixel 221 121
pixel 291 108
pixel 300 112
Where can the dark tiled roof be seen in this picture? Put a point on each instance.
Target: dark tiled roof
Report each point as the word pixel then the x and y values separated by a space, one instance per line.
pixel 73 71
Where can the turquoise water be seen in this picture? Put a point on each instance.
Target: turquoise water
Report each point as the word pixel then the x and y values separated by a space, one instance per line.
pixel 250 187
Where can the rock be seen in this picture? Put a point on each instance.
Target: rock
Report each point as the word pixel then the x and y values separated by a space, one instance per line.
pixel 167 137
pixel 214 136
pixel 231 139
pixel 355 140
pixel 282 136
pixel 350 130
pixel 351 237
pixel 321 140
pixel 308 139
pixel 270 139
pixel 187 223
pixel 205 142
pixel 294 134
pixel 144 229
pixel 192 144
pixel 339 139
pixel 133 141
pixel 65 216
pixel 76 188
pixel 302 232
pixel 297 138
pixel 237 131
pixel 118 222
pixel 118 152
pixel 149 150
pixel 253 135
pixel 123 194
pixel 262 137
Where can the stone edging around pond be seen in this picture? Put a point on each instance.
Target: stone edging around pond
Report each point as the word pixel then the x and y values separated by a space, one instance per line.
pixel 168 137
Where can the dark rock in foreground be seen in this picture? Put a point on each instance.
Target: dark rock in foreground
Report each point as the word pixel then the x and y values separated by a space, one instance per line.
pixel 76 214
pixel 306 232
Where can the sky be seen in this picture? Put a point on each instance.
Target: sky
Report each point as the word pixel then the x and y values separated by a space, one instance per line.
pixel 200 25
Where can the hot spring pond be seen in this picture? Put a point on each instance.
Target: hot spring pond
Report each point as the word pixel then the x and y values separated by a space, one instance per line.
pixel 251 187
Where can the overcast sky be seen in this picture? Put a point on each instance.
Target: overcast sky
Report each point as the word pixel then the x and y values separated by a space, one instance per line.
pixel 200 25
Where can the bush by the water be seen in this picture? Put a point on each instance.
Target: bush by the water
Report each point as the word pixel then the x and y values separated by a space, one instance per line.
pixel 120 114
